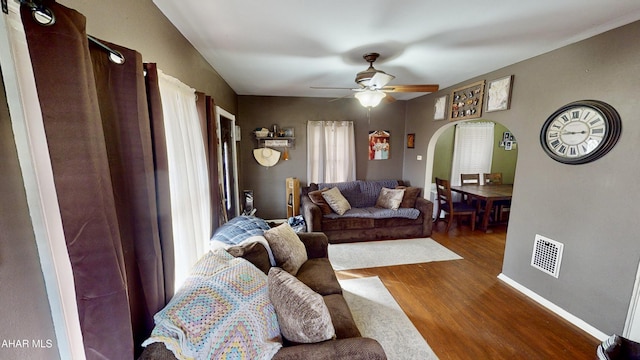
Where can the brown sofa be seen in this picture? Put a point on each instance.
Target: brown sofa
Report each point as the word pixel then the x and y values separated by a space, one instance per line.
pixel 318 274
pixel 365 222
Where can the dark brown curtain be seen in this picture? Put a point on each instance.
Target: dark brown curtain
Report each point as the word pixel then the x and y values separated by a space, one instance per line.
pixel 110 171
pixel 125 119
pixel 66 88
pixel 163 194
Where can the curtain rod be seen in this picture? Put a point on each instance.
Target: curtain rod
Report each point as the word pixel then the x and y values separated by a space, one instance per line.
pixel 45 17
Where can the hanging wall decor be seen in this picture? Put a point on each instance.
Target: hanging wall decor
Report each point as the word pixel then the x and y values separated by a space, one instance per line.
pixel 466 102
pixel 440 108
pixel 379 144
pixel 499 94
pixel 411 141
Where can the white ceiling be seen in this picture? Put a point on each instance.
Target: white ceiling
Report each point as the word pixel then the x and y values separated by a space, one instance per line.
pixel 283 47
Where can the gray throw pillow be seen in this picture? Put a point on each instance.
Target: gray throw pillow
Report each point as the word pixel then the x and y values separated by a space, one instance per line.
pixel 302 314
pixel 336 201
pixel 390 198
pixel 288 250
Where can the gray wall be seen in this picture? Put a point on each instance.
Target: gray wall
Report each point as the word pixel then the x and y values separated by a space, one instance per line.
pixel 268 184
pixel 591 208
pixel 139 25
pixel 25 311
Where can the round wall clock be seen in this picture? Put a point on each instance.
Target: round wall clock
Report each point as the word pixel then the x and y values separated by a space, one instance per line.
pixel 581 132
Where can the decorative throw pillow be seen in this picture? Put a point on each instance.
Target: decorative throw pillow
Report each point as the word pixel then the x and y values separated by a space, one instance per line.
pixel 302 314
pixel 336 201
pixel 390 198
pixel 411 193
pixel 288 251
pixel 316 198
pixel 254 252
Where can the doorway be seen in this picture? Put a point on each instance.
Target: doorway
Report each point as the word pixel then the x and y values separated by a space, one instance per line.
pixel 441 147
pixel 228 159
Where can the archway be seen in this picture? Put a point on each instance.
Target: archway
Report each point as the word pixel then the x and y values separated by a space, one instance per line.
pixel 441 146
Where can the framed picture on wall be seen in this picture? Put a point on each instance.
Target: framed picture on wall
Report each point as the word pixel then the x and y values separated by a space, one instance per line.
pixel 499 94
pixel 440 108
pixel 411 141
pixel 379 144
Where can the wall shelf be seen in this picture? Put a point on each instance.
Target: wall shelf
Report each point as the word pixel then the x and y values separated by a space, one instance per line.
pixel 276 142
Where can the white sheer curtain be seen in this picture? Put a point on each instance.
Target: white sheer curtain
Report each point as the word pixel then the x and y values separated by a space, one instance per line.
pixel 331 151
pixel 473 150
pixel 188 178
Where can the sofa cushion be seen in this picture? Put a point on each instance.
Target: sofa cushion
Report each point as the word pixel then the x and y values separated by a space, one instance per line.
pixel 411 193
pixel 341 317
pixel 254 252
pixel 373 213
pixel 288 251
pixel 336 201
pixel 302 314
pixel 370 189
pixel 318 274
pixel 349 189
pixel 317 198
pixel 390 198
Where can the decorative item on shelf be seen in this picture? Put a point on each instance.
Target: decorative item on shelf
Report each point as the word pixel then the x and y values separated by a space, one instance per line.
pixel 499 94
pixel 466 102
pixel 261 132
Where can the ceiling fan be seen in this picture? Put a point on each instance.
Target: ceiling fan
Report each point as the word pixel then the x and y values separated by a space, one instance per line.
pixel 373 85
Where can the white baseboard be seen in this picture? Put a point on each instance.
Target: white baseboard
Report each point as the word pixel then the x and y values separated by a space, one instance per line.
pixel 555 308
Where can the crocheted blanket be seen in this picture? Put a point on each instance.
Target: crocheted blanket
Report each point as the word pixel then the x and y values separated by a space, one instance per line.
pixel 222 311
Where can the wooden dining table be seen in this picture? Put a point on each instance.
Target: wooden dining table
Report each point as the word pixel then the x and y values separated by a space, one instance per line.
pixel 487 194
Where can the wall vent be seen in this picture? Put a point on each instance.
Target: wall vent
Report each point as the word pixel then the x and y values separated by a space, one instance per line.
pixel 547 255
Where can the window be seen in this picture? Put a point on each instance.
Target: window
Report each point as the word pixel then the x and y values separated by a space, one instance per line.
pixel 330 151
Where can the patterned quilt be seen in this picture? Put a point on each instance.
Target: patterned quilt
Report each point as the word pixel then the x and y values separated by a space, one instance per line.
pixel 222 311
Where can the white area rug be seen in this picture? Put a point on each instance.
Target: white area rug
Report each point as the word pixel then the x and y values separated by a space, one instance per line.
pixel 362 255
pixel 378 316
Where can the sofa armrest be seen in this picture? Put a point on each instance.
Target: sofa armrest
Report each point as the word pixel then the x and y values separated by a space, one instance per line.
pixel 426 209
pixel 311 213
pixel 358 348
pixel 316 244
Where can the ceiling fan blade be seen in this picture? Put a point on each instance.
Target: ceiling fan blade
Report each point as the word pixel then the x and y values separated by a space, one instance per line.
pixel 379 80
pixel 411 88
pixel 340 98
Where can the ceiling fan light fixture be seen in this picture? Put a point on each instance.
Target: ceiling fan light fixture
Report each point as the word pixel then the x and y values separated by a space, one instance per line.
pixel 370 98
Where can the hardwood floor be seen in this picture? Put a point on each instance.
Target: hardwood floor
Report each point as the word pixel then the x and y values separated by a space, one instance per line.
pixel 464 311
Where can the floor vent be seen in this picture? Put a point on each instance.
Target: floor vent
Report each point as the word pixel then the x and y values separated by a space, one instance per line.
pixel 547 255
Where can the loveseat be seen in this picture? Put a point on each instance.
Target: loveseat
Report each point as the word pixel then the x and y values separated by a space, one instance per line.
pixel 366 219
pixel 315 273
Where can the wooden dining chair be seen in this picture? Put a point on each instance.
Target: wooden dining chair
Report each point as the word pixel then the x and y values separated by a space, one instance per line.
pixel 499 207
pixel 450 208
pixel 469 179
pixel 493 178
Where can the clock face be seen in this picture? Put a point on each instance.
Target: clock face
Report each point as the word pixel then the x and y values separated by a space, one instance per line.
pixel 580 132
